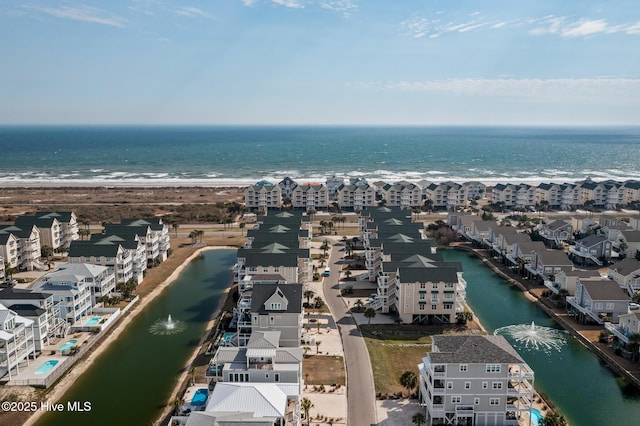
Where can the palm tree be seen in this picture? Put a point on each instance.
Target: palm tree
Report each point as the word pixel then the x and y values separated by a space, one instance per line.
pixel 175 224
pixel 308 294
pixel 306 405
pixel 241 225
pixel 419 419
pixel 633 345
pixel 369 313
pixel 553 419
pixel 347 274
pixel 408 380
pixel 325 247
pixel 194 236
pixel 200 234
pixel 46 251
pixel 563 293
pixel 317 345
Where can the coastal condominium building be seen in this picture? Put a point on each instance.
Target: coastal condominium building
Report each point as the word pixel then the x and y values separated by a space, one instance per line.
pixel 41 308
pixel 106 253
pixel 310 197
pixel 475 380
pixel 27 249
pixel 263 195
pixel 17 346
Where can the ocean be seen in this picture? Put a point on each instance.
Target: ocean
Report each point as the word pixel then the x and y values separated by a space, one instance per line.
pixel 198 155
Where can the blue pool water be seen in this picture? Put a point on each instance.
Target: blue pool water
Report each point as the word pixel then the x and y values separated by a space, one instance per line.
pixel 46 367
pixel 200 397
pixel 68 345
pixel 227 336
pixel 536 415
pixel 92 321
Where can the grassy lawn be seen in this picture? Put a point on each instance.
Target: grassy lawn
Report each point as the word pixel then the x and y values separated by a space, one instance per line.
pixel 392 352
pixel 323 370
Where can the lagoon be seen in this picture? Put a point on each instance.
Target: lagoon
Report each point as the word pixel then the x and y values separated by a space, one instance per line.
pixel 584 390
pixel 130 383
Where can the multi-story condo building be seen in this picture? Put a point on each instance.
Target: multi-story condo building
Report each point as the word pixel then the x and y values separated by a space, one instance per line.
pixel 310 197
pixel 27 247
pixel 355 197
pixel 549 194
pixel 445 195
pixel 76 287
pixel 17 346
pixel 41 308
pixel 594 192
pixel 50 229
pixel 570 196
pixel 402 194
pixel 263 195
pixel 286 186
pixel 475 380
pixel 277 307
pixel 152 233
pixel 106 253
pixel 631 192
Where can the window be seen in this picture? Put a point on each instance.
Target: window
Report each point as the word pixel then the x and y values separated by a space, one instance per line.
pixel 434 285
pixel 493 368
pixel 434 307
pixel 449 385
pixel 276 269
pixel 610 306
pixel 485 385
pixel 463 367
pixel 277 378
pixel 423 285
pixel 423 296
pixel 421 306
pixel 497 385
pixel 276 306
pixel 494 401
pixel 476 401
pixel 467 385
pixel 456 399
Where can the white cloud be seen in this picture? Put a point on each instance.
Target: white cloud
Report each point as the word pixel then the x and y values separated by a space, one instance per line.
pixel 633 29
pixel 346 7
pixel 419 26
pixel 583 27
pixel 295 4
pixel 559 90
pixel 82 13
pixel 192 12
pixel 249 2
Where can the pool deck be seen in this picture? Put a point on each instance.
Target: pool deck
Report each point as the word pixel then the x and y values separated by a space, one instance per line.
pixel 29 373
pixel 188 396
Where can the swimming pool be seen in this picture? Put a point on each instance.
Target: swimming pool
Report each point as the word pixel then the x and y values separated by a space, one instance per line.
pixel 68 345
pixel 536 415
pixel 200 397
pixel 46 367
pixel 92 321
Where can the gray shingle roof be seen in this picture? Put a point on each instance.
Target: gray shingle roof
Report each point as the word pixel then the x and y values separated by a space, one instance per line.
pixel 262 292
pixel 473 350
pixel 604 290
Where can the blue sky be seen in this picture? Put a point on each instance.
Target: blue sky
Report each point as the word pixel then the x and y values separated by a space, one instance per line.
pixel 427 62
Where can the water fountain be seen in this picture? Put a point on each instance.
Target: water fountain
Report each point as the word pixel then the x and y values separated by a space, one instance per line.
pixel 534 337
pixel 167 326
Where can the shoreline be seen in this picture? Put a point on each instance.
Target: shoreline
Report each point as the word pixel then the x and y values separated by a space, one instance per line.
pixel 246 182
pixel 83 365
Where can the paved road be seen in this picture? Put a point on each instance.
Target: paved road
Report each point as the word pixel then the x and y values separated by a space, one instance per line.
pixel 361 397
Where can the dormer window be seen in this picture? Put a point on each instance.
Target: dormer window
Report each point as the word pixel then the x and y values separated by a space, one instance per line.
pixel 276 306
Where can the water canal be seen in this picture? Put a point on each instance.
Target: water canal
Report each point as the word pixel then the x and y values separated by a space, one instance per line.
pixel 583 388
pixel 130 383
